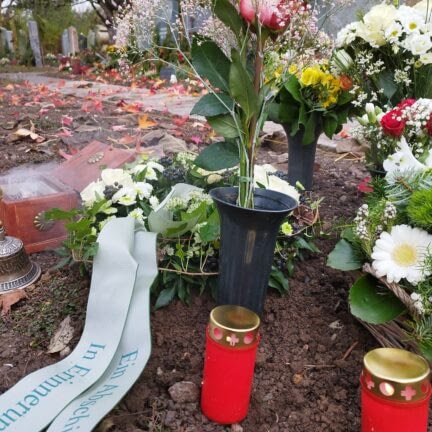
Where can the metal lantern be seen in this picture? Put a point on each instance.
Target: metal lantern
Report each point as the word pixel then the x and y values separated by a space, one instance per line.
pixel 395 391
pixel 16 269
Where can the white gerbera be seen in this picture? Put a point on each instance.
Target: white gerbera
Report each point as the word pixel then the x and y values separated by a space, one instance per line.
pixel 143 189
pixel 125 196
pixel 401 253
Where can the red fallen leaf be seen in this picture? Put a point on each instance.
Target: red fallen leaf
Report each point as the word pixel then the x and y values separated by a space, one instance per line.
pixel 61 83
pixel 127 139
pixel 64 155
pixel 180 121
pixel 58 102
pixel 152 91
pixel 43 111
pixel 144 122
pixel 196 139
pixel 121 103
pixel 132 108
pixel 42 89
pixel 364 186
pixel 344 134
pixel 65 132
pixel 98 105
pixel 67 120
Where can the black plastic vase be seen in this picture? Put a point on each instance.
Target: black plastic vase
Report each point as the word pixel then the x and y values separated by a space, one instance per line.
pixel 301 157
pixel 248 238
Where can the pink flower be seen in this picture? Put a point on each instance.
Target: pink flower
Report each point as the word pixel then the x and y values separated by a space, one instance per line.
pixel 273 14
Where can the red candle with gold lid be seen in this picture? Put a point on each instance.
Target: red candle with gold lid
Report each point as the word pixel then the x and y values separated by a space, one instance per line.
pixel 231 343
pixel 395 387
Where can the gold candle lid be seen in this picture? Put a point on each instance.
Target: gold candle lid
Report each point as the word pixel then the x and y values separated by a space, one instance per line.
pixel 396 374
pixel 233 326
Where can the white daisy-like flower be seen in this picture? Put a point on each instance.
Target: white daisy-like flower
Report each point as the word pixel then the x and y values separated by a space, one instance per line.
pixel 125 196
pixel 401 253
pixel 143 189
pixel 393 32
pixel 138 215
pixel 116 177
pixel 92 193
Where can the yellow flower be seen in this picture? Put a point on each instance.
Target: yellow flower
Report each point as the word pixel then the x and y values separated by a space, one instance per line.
pixel 278 72
pixel 287 229
pixel 293 69
pixel 311 76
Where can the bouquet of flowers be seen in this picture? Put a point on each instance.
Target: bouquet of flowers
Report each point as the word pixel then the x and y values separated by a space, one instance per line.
pixel 313 98
pixel 388 53
pixel 406 128
pixel 184 215
pixel 391 239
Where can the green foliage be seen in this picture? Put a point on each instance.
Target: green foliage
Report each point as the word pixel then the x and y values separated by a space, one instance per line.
pixel 211 105
pixel 218 156
pixel 419 209
pixel 344 257
pixel 372 303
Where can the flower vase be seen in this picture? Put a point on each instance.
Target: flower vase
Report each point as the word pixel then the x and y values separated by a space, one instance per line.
pixel 248 238
pixel 301 157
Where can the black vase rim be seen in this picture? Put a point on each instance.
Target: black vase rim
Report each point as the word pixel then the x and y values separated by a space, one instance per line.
pixel 286 202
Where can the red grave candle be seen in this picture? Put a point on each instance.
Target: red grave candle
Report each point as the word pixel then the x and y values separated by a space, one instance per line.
pixel 231 342
pixel 395 391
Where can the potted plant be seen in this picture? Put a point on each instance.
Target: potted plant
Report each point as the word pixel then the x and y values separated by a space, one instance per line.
pixel 312 100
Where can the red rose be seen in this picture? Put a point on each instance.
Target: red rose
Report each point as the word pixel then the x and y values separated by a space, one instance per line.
pixel 392 123
pixel 405 103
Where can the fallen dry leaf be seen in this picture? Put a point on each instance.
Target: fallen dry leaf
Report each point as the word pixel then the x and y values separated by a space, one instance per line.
pixel 9 299
pixel 28 133
pixel 62 337
pixel 145 123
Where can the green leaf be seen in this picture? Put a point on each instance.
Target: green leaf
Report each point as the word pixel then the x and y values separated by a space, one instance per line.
pixel 293 86
pixel 60 214
pixel 229 15
pixel 211 63
pixel 387 83
pixel 278 281
pixel 218 156
pixel 310 129
pixel 211 105
pixel 224 125
pixel 283 112
pixel 330 125
pixel 372 303
pixel 241 86
pixel 209 232
pixel 302 243
pixel 164 298
pixel 426 350
pixel 344 257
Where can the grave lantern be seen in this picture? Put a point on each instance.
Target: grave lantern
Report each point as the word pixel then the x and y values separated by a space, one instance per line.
pixel 231 343
pixel 395 391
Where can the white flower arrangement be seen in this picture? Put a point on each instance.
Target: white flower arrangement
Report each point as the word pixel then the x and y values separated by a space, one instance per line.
pixel 4 61
pixel 390 49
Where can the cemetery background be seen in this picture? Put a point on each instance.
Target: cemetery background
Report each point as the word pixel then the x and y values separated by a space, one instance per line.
pixel 307 368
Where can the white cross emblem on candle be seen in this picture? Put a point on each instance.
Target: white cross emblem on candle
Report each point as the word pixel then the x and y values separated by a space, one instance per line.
pixel 408 393
pixel 233 339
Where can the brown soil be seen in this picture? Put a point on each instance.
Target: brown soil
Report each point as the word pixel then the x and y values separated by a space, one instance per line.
pixel 311 350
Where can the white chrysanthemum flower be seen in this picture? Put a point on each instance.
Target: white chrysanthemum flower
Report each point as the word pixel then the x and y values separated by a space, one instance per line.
pixel 279 185
pixel 138 215
pixel 92 193
pixel 426 58
pixel 401 253
pixel 418 44
pixel 347 35
pixel 143 190
pixel 116 177
pixel 125 196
